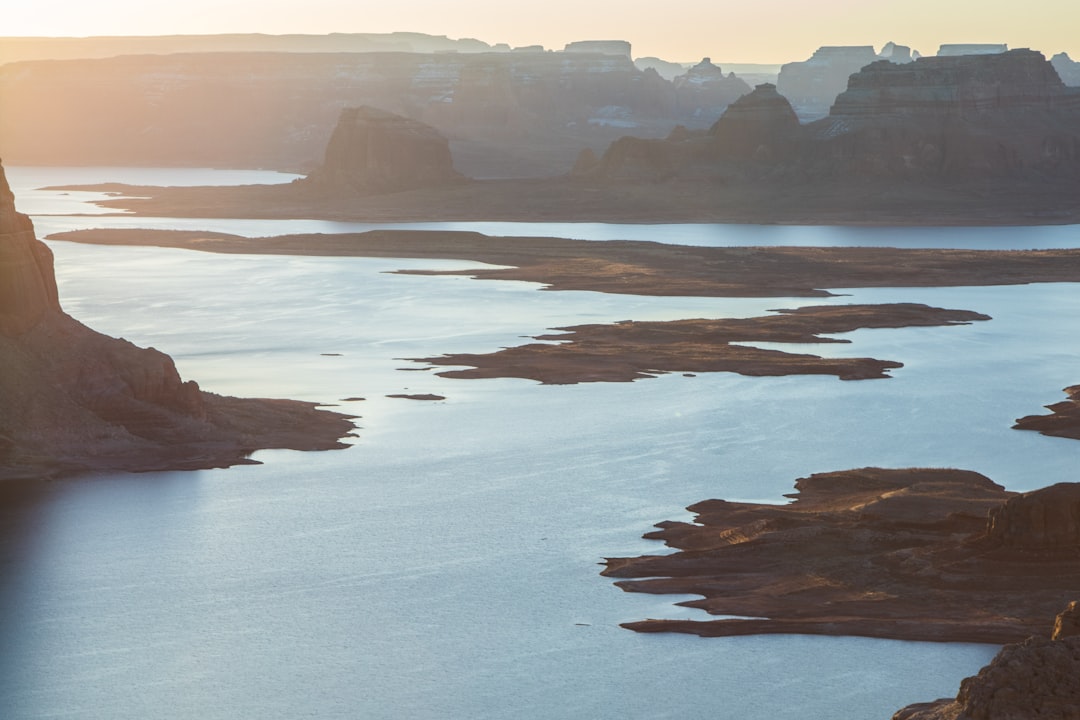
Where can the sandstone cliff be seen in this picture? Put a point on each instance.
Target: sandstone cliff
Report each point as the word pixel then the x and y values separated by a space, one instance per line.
pixel 374 151
pixel 73 400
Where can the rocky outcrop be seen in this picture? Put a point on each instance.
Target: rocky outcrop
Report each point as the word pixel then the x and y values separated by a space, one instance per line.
pixel 27 283
pixel 972 116
pixel 916 554
pixel 1064 420
pixel 761 126
pixel 811 85
pixel 626 351
pixel 73 400
pixel 1067 68
pixel 704 91
pixel 757 131
pixel 374 151
pixel 1037 678
pixel 982 118
pixel 1046 521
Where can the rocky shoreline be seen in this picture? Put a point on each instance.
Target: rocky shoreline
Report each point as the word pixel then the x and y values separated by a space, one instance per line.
pixel 632 350
pixel 77 401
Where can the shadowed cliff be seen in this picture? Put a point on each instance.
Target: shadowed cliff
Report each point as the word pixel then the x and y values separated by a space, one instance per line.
pixel 72 399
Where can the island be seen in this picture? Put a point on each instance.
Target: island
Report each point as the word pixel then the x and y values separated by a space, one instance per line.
pixel 913 554
pixel 73 400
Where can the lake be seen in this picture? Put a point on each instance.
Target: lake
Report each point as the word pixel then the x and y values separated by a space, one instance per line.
pixel 447 564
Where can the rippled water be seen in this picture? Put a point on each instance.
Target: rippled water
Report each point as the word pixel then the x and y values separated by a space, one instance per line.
pixel 446 565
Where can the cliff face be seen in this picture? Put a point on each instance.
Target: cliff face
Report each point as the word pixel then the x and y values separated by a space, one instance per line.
pixel 506 113
pixel 812 84
pixel 984 118
pixel 1067 68
pixel 27 283
pixel 72 399
pixel 1004 114
pixel 374 151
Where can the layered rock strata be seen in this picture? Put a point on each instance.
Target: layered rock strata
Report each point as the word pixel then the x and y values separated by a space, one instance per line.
pixel 916 554
pixel 74 400
pixel 1064 420
pixel 811 85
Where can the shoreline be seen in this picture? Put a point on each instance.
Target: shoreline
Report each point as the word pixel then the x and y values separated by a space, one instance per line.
pixel 873 203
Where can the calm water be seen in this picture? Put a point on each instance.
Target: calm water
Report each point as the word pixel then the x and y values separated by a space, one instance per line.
pixel 445 566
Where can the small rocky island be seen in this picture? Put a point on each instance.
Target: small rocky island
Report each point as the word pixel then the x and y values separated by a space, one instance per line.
pixel 912 554
pixel 73 400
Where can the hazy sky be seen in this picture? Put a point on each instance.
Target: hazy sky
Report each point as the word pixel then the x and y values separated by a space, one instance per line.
pixel 747 31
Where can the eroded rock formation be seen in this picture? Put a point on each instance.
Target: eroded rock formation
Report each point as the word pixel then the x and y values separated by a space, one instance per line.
pixel 1064 420
pixel 976 118
pixel 811 85
pixel 1037 678
pixel 1067 68
pixel 375 151
pixel 916 554
pixel 629 350
pixel 72 399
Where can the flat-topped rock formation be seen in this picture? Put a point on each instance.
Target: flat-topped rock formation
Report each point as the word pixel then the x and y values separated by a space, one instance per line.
pixel 955 49
pixel 375 151
pixel 1037 678
pixel 74 400
pixel 507 114
pixel 915 554
pixel 633 350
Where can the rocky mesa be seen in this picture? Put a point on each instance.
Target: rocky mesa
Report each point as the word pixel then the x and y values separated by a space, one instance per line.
pixel 74 400
pixel 971 118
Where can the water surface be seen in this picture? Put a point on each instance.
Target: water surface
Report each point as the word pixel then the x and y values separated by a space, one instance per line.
pixel 446 565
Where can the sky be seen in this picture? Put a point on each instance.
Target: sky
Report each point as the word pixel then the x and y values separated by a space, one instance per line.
pixel 765 31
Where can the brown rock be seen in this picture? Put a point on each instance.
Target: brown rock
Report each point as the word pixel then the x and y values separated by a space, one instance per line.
pixel 73 400
pixel 1067 623
pixel 1036 678
pixel 906 554
pixel 1043 521
pixel 374 151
